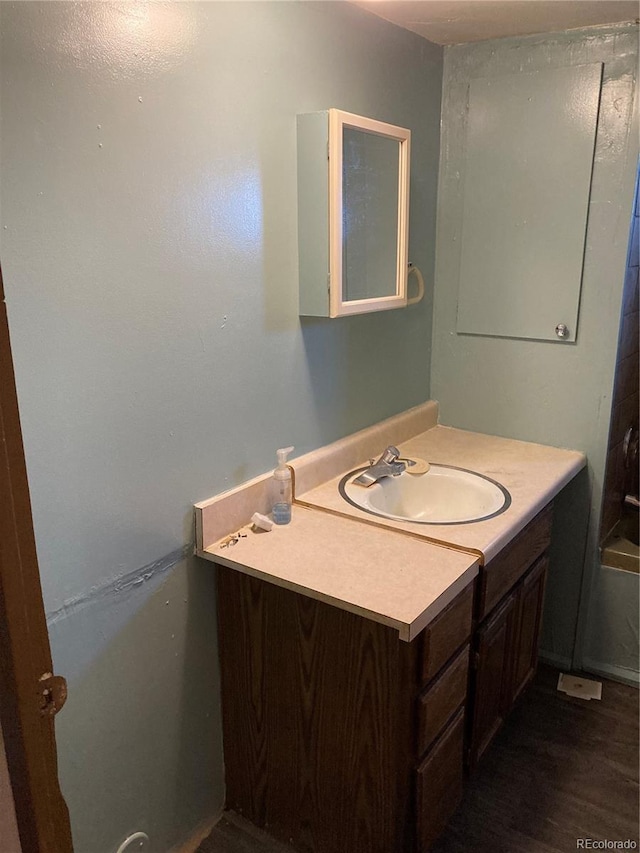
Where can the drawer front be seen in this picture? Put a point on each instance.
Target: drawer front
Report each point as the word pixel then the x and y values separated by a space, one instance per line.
pixel 442 699
pixel 439 783
pixel 501 573
pixel 448 631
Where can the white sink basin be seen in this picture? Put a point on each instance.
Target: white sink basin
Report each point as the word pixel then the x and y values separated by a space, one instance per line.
pixel 444 495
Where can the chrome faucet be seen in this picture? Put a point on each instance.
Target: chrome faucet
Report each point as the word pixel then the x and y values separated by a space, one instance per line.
pixel 389 465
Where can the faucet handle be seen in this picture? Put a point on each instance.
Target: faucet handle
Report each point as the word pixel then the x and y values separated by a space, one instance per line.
pixel 391 454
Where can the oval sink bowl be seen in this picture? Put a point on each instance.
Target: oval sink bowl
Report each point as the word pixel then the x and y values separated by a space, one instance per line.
pixel 444 495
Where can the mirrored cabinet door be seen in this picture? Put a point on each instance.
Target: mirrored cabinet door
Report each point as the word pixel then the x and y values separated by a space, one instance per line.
pixel 353 204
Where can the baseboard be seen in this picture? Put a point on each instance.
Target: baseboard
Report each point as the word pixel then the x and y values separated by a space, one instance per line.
pixel 616 673
pixel 249 829
pixel 559 661
pixel 197 836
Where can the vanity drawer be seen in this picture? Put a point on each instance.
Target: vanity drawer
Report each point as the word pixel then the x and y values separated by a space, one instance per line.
pixel 442 699
pixel 439 783
pixel 444 636
pixel 501 573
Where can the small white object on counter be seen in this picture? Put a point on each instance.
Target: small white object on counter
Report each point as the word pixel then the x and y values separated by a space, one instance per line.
pixel 260 521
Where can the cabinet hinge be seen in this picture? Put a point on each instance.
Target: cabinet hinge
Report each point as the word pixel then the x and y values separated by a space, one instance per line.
pixel 329 283
pixel 328 150
pixel 52 694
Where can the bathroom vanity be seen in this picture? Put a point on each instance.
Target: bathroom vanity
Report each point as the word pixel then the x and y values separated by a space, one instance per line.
pixel 338 735
pixel 367 664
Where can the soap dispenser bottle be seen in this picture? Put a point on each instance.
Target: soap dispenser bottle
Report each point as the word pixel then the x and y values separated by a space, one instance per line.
pixel 282 494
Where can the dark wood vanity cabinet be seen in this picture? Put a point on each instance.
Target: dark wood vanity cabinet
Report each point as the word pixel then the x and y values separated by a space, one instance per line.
pixel 338 736
pixel 505 650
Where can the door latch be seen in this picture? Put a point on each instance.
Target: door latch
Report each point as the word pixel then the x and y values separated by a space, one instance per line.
pixel 53 694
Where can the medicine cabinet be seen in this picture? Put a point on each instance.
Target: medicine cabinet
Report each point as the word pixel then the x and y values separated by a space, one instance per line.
pixel 353 210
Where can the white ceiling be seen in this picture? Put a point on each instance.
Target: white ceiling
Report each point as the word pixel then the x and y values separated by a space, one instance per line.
pixel 454 21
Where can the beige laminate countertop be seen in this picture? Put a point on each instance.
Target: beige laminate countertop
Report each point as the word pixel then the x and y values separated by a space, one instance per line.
pixel 532 473
pixel 380 574
pixel 401 574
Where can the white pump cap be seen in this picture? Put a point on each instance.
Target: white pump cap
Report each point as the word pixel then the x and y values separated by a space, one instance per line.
pixel 282 472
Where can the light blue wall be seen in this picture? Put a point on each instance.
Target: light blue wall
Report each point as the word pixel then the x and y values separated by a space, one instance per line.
pixel 553 393
pixel 149 252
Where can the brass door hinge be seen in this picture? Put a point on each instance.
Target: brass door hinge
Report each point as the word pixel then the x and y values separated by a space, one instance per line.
pixel 52 690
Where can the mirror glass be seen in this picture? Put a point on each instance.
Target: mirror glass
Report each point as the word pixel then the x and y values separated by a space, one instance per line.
pixel 370 190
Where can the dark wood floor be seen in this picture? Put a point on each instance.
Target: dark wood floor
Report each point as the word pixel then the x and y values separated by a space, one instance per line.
pixel 560 770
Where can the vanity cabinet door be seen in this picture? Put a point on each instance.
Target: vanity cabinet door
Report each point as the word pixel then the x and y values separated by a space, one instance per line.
pixel 506 657
pixel 530 600
pixel 494 643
